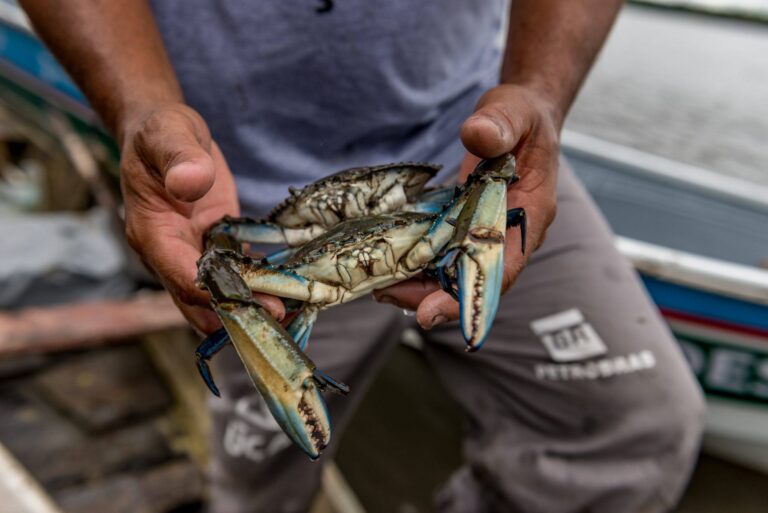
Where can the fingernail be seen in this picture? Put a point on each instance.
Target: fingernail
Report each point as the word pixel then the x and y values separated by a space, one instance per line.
pixel 435 321
pixel 499 128
pixel 495 123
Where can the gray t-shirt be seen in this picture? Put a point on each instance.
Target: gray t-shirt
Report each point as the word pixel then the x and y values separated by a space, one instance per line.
pixel 292 95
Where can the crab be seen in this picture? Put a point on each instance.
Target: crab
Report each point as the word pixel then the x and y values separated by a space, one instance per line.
pixel 462 245
pixel 310 211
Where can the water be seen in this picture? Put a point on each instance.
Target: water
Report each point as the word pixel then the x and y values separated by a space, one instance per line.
pixel 686 87
pixel 747 8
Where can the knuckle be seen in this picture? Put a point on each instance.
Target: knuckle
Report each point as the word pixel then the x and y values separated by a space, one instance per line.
pixel 154 128
pixel 183 295
pixel 130 170
pixel 550 210
pixel 541 241
pixel 184 289
pixel 160 120
pixel 132 236
pixel 178 286
pixel 510 275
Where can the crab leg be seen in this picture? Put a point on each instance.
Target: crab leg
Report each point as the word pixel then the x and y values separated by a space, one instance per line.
pixel 287 380
pixel 446 266
pixel 205 351
pixel 479 239
pixel 301 326
pixel 475 224
pixel 471 231
pixel 245 229
pixel 289 285
pixel 438 195
pixel 516 217
pixel 279 257
pixel 480 261
pixel 432 201
pixel 437 237
pixel 283 375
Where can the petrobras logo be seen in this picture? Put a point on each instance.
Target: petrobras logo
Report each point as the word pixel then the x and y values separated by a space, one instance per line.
pixel 568 337
pixel 597 369
pixel 578 351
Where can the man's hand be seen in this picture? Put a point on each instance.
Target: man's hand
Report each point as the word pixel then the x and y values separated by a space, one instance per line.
pixel 175 184
pixel 174 178
pixel 509 118
pixel 550 47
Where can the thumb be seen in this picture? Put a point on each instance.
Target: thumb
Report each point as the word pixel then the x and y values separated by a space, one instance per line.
pixel 175 145
pixel 191 176
pixel 492 130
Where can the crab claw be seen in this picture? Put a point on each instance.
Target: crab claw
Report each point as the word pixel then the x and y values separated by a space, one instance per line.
pixel 474 260
pixel 284 376
pixel 479 272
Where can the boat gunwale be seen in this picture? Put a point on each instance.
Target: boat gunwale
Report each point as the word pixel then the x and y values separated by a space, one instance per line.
pixel 635 162
pixel 688 269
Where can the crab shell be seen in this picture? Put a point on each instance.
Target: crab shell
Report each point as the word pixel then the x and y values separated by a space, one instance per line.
pixel 353 193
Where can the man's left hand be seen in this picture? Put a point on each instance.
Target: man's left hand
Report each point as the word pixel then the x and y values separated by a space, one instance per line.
pixel 509 118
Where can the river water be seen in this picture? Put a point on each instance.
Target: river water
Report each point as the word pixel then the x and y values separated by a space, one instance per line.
pixel 746 8
pixel 684 86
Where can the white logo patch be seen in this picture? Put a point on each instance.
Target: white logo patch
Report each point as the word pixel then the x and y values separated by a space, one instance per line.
pixel 568 337
pixel 603 368
pixel 252 432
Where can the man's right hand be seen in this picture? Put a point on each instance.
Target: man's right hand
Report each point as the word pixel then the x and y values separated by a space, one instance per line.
pixel 176 184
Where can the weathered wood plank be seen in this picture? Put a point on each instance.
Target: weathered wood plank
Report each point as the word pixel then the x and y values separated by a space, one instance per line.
pixel 40 330
pixel 104 389
pixel 60 455
pixel 163 489
pixel 172 352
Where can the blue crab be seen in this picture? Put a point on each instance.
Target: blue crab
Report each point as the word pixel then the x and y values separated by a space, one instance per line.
pixel 462 245
pixel 308 212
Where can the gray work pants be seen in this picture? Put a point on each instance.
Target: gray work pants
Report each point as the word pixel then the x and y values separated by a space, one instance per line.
pixel 580 400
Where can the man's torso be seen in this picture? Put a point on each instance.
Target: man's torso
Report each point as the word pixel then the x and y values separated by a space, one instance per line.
pixel 292 95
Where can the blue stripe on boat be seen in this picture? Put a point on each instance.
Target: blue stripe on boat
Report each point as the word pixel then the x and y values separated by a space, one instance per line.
pixel 25 52
pixel 706 304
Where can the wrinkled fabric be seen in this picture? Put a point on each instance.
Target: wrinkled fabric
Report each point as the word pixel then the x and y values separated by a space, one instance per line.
pixel 291 95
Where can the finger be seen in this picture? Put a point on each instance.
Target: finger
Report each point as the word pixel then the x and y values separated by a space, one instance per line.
pixel 271 304
pixel 202 319
pixel 468 164
pixel 179 277
pixel 537 194
pixel 492 130
pixel 175 263
pixel 406 294
pixel 437 308
pixel 175 147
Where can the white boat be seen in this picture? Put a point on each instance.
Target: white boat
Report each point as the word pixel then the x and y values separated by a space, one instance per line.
pixel 700 242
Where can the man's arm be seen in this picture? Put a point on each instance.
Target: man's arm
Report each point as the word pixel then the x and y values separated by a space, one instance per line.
pixel 175 180
pixel 114 53
pixel 550 47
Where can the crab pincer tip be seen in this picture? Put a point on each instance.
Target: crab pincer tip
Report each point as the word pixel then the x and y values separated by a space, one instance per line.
pixel 205 372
